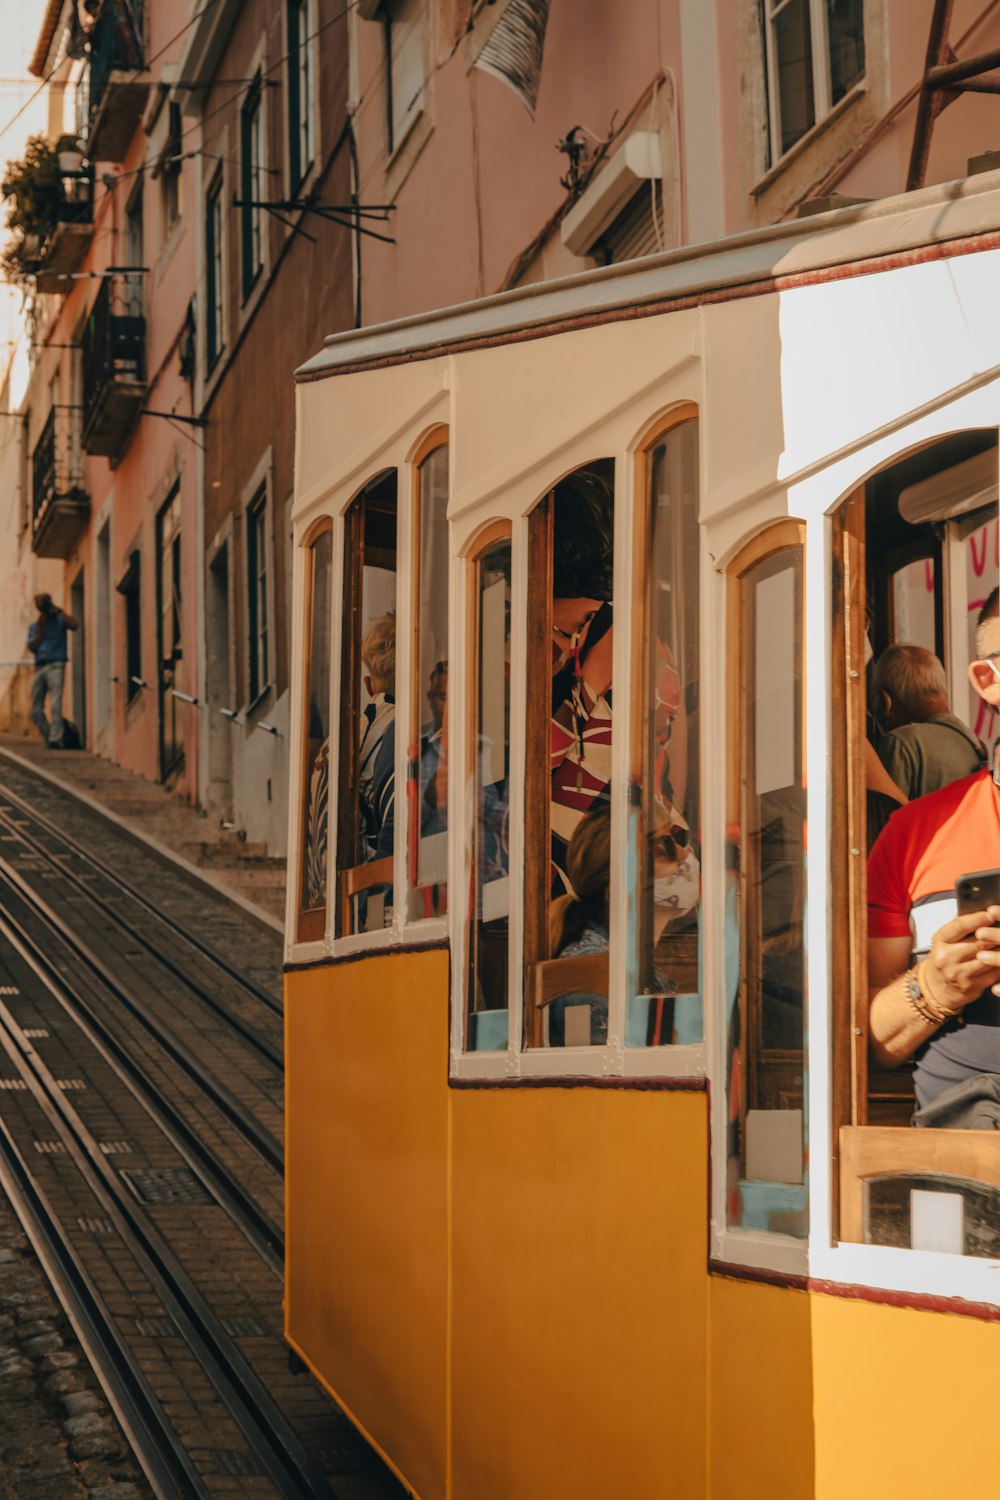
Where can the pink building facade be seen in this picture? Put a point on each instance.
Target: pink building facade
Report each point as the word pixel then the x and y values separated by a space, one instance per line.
pixel 418 153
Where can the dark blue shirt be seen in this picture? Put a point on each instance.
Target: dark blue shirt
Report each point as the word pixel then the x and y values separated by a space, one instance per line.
pixel 48 642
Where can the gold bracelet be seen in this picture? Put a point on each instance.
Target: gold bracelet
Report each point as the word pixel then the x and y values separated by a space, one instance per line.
pixel 944 1012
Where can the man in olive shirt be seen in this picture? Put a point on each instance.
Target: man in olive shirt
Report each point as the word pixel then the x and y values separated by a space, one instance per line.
pixel 924 746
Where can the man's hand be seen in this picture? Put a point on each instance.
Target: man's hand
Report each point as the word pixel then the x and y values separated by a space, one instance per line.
pixel 596 669
pixel 964 958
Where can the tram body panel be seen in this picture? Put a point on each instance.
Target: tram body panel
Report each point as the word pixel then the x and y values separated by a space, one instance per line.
pixel 366 1196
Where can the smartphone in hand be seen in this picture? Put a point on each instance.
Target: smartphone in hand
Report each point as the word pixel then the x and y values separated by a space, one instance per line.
pixel 977 891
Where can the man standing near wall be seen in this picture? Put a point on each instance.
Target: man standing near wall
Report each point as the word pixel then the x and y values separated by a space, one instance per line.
pixel 47 642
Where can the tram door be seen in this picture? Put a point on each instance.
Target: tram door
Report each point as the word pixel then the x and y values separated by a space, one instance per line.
pixel 169 644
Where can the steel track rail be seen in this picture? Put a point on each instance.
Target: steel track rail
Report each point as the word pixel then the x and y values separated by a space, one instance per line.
pixel 249 1035
pixel 146 1425
pixel 83 854
pixel 254 1134
pixel 262 1423
pixel 265 1236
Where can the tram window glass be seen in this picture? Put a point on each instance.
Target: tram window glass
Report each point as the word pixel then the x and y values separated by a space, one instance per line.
pixel 366 790
pixel 427 749
pixel 568 761
pixel 312 902
pixel 912 567
pixel 489 787
pixel 664 1000
pixel 766 896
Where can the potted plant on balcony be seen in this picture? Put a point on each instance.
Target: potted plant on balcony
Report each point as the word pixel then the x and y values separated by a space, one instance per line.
pixel 70 155
pixel 35 187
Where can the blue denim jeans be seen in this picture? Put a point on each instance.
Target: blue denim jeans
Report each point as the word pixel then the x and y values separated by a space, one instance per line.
pixel 49 681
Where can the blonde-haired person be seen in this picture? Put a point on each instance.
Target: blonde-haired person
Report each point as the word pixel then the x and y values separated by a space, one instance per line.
pixel 376 785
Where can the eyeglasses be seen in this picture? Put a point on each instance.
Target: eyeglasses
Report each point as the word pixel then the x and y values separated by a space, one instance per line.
pixel 991 660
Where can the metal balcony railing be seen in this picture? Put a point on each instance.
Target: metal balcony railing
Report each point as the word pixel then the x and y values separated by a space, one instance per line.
pixel 115 46
pixel 114 362
pixel 59 502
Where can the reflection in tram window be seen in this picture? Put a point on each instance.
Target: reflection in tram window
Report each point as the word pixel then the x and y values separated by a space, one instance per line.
pixel 665 990
pixel 489 786
pixel 368 667
pixel 571 566
pixel 766 905
pixel 312 903
pixel 427 748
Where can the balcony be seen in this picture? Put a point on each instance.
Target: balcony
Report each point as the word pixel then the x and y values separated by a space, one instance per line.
pixel 60 506
pixel 65 246
pixel 114 364
pixel 117 83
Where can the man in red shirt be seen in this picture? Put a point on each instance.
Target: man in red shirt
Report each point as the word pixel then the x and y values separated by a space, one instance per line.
pixel 945 1010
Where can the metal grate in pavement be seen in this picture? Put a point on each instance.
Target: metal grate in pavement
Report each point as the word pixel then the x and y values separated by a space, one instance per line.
pixel 35 1032
pixel 13 1085
pixel 70 1083
pixel 166 1185
pixel 238 1463
pixel 244 1328
pixel 114 1148
pixel 96 1226
pixel 49 1148
pixel 156 1328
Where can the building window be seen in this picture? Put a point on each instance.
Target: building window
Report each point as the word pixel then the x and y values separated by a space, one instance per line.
pixel 815 53
pixel 214 267
pixel 766 886
pixel 252 185
pixel 316 777
pixel 128 587
pixel 258 625
pixel 300 92
pixel 403 37
pixel 366 802
pixel 170 172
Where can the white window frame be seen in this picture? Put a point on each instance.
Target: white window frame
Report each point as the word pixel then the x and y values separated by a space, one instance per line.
pixel 215 310
pixel 308 96
pixel 395 16
pixel 820 53
pixel 261 482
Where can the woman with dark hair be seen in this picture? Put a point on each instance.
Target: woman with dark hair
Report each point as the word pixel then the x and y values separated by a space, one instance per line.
pixel 582 638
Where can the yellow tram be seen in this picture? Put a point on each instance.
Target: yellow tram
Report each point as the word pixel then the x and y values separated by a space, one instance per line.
pixel 635 1214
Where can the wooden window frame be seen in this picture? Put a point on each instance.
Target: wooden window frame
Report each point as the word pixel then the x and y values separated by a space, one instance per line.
pixel 642 595
pixel 432 442
pixel 819 68
pixel 499 530
pixel 215 268
pixel 351 878
pixel 258 539
pixel 310 921
pixel 253 139
pixel 785 535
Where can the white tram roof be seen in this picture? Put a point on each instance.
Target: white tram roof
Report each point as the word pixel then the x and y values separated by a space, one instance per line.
pixel 881 232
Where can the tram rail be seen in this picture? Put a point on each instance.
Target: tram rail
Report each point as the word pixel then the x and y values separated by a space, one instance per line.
pixel 268 1433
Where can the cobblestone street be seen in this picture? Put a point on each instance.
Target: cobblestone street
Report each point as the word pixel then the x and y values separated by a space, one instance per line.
pixel 58 1438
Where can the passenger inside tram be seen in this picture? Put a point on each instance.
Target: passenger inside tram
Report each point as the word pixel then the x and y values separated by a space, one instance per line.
pixel 934 973
pixel 922 744
pixel 376 779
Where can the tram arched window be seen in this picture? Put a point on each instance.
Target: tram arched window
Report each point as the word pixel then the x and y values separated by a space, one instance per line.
pixel 427 744
pixel 366 789
pixel 664 1003
pixel 569 869
pixel 766 895
pixel 315 816
pixel 489 787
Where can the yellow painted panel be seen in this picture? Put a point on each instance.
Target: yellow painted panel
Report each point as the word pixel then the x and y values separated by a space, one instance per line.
pixel 366 1146
pixel 906 1402
pixel 760 1394
pixel 579 1302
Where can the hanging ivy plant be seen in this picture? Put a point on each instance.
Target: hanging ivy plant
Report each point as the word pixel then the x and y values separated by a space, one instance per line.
pixel 34 188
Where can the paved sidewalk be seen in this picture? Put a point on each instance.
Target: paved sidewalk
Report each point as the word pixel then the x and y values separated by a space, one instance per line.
pixel 221 856
pixel 58 1438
